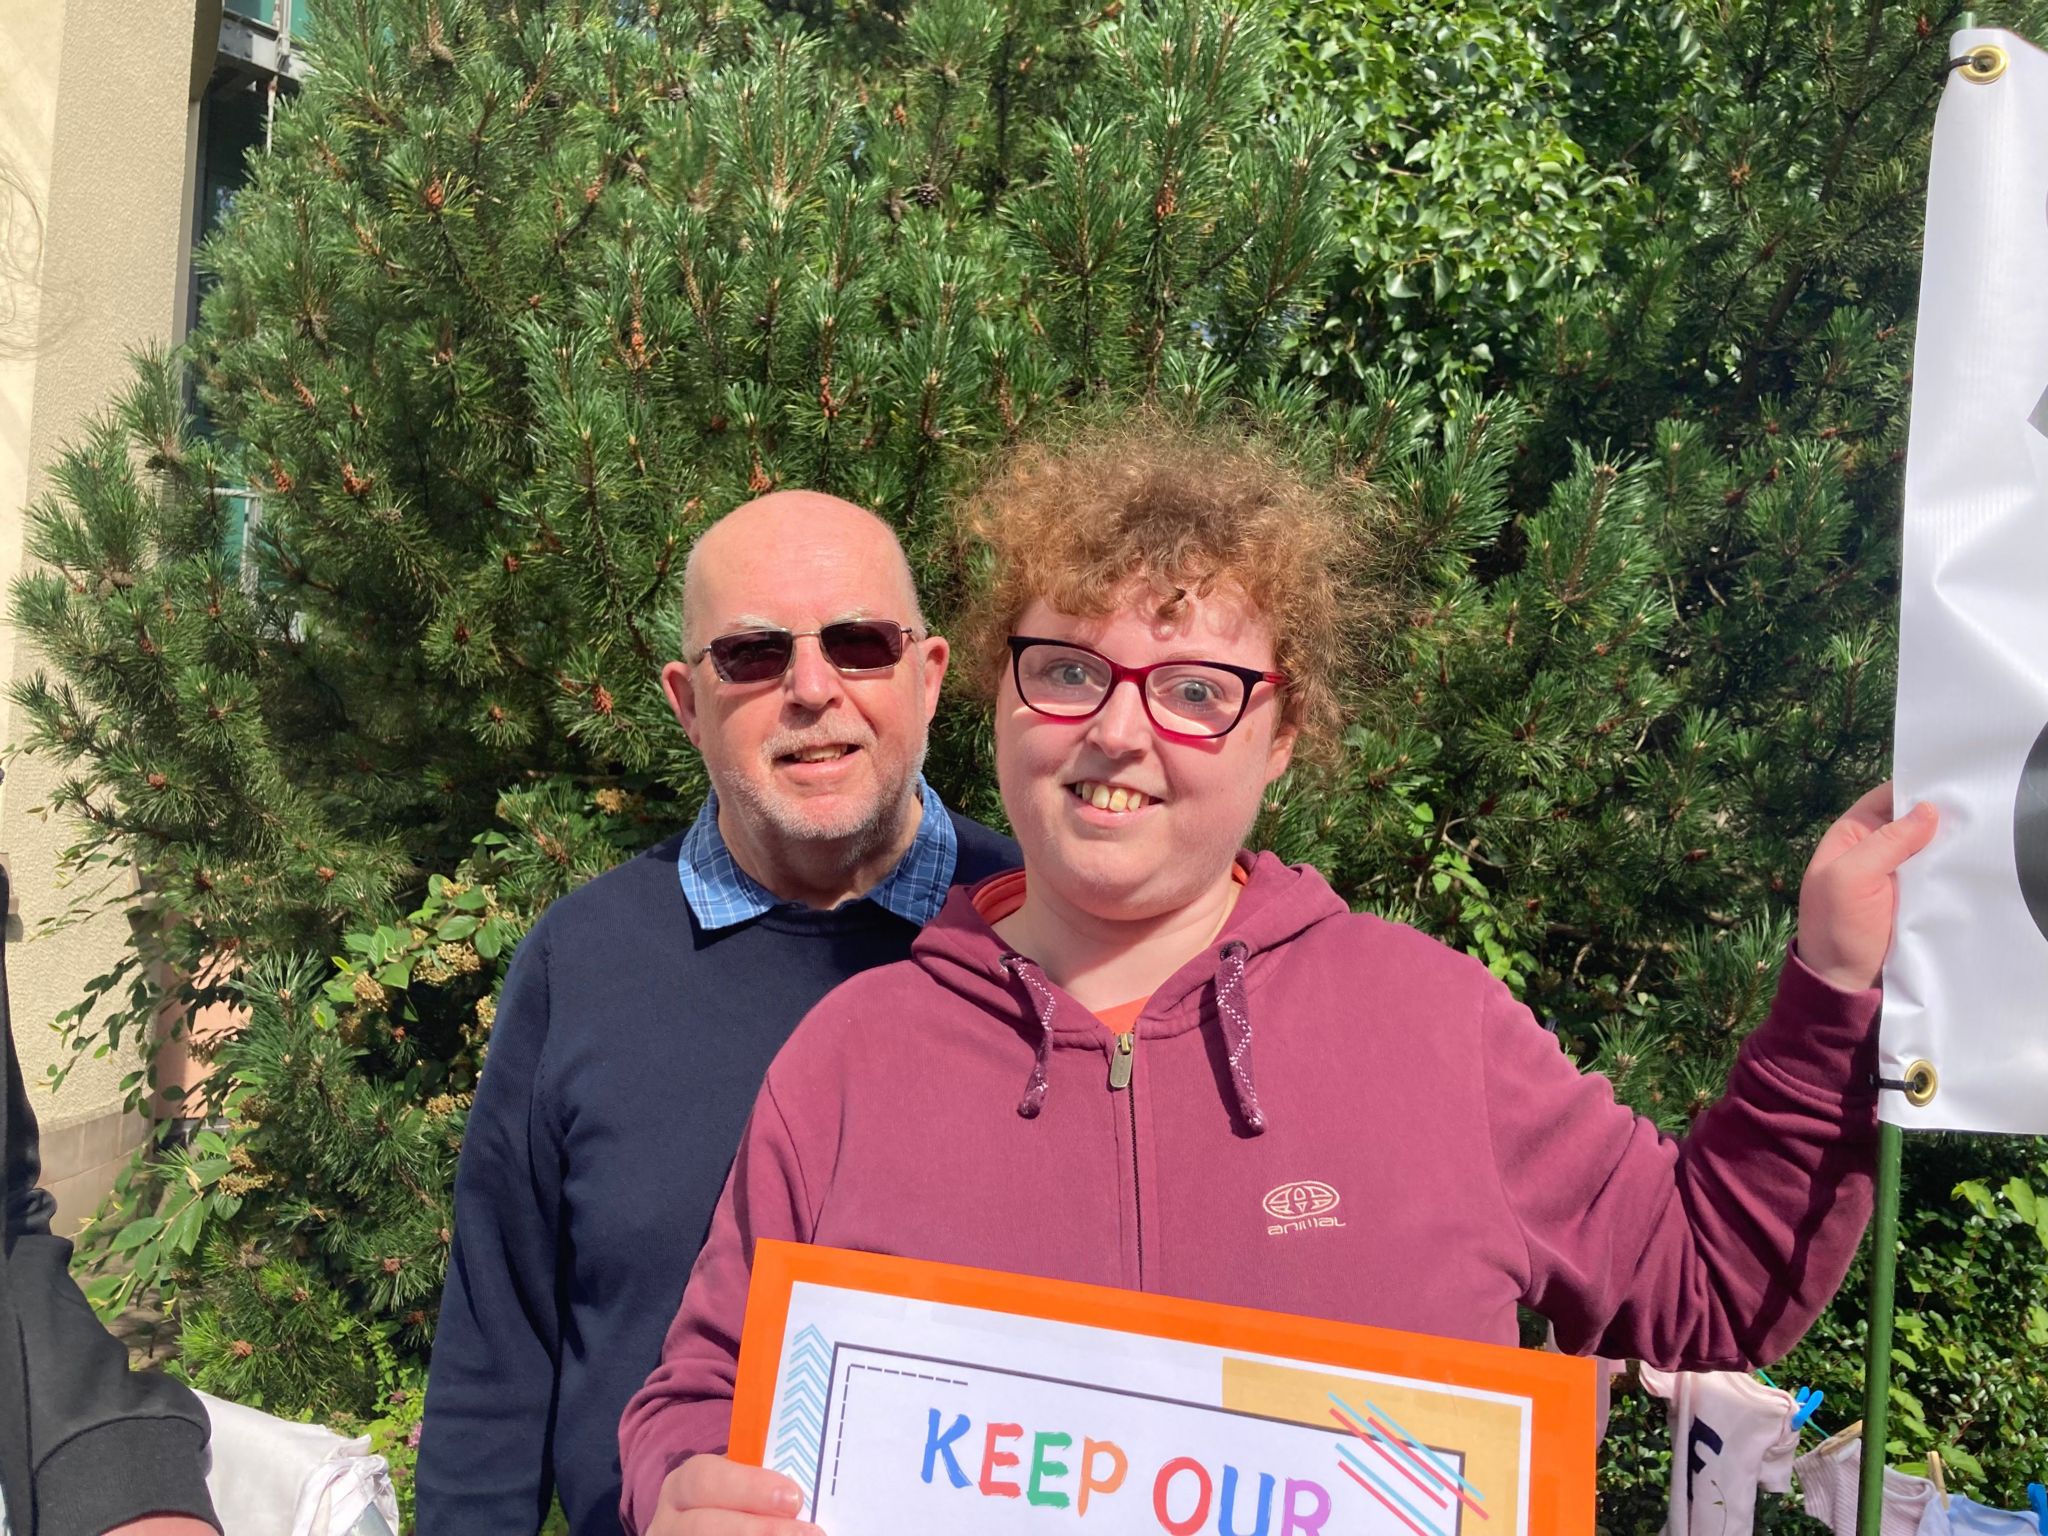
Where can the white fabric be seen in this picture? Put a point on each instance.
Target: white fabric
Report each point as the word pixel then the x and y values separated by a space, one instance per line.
pixel 1969 963
pixel 1730 1435
pixel 347 1497
pixel 1966 1517
pixel 271 1477
pixel 1829 1484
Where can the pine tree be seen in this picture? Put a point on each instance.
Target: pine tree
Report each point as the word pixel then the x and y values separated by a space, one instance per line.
pixel 518 301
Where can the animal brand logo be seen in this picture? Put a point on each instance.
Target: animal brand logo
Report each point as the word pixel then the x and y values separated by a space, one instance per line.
pixel 1300 1206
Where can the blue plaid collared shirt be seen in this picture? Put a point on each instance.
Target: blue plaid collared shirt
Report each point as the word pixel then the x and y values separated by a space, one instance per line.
pixel 721 894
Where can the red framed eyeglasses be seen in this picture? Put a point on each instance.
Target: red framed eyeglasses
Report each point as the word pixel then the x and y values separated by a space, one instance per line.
pixel 1184 700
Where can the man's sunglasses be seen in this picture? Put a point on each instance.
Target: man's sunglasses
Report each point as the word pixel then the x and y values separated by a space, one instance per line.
pixel 762 655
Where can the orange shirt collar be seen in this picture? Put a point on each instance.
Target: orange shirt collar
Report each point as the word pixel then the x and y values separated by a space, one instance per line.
pixel 1001 896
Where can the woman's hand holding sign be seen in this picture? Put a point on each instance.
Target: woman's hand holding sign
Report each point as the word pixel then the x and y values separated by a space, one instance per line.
pixel 716 1496
pixel 1848 897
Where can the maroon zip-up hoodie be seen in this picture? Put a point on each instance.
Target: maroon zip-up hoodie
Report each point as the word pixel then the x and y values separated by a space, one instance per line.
pixel 1326 1113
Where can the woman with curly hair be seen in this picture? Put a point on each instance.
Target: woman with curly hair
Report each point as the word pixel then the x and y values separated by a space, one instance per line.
pixel 1097 1067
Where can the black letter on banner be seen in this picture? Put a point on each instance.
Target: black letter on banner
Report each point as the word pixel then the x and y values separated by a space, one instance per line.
pixel 2030 832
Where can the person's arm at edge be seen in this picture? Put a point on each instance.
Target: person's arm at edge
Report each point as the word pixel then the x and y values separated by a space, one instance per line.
pixel 486 1439
pixel 118 1452
pixel 685 1407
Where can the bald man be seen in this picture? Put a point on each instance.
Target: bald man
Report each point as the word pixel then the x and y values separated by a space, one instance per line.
pixel 641 1013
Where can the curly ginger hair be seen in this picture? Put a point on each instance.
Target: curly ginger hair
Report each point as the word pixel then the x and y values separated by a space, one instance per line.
pixel 1081 524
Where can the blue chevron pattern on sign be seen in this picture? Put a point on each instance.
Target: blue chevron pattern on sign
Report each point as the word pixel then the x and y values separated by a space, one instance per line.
pixel 800 1414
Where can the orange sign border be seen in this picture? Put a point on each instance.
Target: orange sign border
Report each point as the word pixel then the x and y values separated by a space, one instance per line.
pixel 1560 1388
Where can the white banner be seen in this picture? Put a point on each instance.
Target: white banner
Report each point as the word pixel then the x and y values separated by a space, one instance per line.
pixel 1966 987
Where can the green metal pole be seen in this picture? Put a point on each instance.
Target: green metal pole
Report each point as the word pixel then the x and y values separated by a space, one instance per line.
pixel 1877 1357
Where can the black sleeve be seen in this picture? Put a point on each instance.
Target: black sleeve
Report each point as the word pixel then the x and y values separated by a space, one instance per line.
pixel 103 1445
pixel 487 1443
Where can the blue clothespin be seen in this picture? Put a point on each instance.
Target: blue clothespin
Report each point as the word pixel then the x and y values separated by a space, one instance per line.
pixel 1805 1402
pixel 2037 1495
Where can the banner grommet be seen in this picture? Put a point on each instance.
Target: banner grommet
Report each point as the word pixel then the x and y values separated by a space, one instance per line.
pixel 1982 65
pixel 1921 1083
pixel 1918 1085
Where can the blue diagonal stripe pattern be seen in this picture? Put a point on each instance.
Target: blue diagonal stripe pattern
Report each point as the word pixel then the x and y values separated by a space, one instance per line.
pixel 800 1412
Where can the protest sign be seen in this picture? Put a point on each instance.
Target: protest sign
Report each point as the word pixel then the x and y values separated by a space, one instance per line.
pixel 903 1395
pixel 1966 986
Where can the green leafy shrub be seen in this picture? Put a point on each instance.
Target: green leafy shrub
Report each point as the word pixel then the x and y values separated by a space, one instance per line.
pixel 1467 197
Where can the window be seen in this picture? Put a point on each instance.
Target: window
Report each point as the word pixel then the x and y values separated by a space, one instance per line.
pixel 293 16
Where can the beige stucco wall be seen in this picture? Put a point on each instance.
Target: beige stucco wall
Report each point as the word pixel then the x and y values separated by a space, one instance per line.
pixel 96 124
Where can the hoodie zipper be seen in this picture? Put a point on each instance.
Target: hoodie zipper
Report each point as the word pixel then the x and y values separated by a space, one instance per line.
pixel 1120 1060
pixel 1122 1057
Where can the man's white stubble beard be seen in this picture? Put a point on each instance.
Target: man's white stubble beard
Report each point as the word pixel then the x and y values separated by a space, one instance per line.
pixel 861 836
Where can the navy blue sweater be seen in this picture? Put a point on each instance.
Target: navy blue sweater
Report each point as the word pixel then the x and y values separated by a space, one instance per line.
pixel 628 1048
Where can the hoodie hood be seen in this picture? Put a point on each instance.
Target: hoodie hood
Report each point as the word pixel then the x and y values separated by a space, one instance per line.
pixel 1277 903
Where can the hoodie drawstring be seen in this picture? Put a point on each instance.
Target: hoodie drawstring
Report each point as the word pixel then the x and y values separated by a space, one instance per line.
pixel 1231 1008
pixel 1237 1032
pixel 1034 1090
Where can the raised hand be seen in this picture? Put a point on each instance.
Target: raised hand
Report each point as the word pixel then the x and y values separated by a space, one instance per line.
pixel 1848 897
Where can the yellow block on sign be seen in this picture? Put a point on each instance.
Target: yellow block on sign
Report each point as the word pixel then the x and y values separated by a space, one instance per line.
pixel 1488 1432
